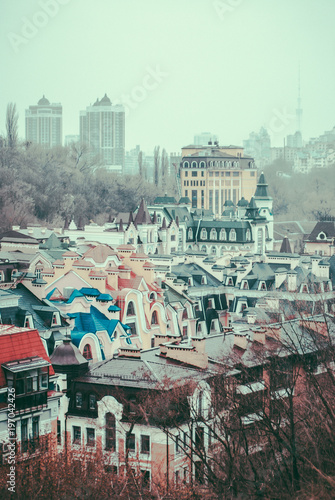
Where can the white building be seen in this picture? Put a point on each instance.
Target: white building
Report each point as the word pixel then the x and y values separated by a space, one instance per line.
pixel 102 127
pixel 44 123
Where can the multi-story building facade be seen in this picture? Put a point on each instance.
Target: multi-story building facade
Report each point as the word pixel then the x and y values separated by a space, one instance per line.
pixel 102 127
pixel 44 123
pixel 210 177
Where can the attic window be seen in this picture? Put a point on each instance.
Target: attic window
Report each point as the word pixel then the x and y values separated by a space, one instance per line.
pixel 232 235
pixel 87 353
pixel 131 309
pixel 230 282
pixel 245 285
pixel 263 286
pixel 28 322
pixel 322 236
pixel 55 319
pixel 203 234
pixel 204 280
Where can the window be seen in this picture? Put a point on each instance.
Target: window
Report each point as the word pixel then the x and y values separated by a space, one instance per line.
pixel 154 318
pixel 24 435
pixel 204 280
pixel 79 400
pixel 55 319
pixel 184 331
pixel 248 235
pixel 194 164
pixel 190 234
pixel 177 443
pixel 59 432
pixel 90 437
pixel 145 444
pixel 87 353
pixel 232 235
pixel 76 434
pixel 213 235
pixel 199 437
pixel 186 164
pixel 177 477
pixel 130 442
pixel 36 428
pixel 213 250
pixel 145 478
pixel 194 174
pixel 185 439
pixel 131 309
pixel 203 234
pixel 110 432
pixel 92 402
pixel 223 235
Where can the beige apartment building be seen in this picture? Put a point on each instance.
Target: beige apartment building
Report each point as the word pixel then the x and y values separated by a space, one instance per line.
pixel 211 175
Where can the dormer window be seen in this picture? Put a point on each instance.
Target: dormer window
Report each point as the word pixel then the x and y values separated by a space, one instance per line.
pixel 232 235
pixel 190 234
pixel 2 276
pixel 55 319
pixel 213 235
pixel 204 280
pixel 154 318
pixel 262 285
pixel 223 235
pixel 203 234
pixel 245 285
pixel 321 236
pixel 131 309
pixel 248 235
pixel 230 282
pixel 28 322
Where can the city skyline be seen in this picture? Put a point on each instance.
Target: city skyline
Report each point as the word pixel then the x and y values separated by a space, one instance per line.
pixel 225 66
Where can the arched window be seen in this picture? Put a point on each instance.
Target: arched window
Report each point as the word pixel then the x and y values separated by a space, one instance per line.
pixel 213 235
pixel 194 164
pixel 232 235
pixel 87 353
pixel 248 235
pixel 185 315
pixel 110 432
pixel 186 164
pixel 203 234
pixel 203 248
pixel 131 309
pixel 154 318
pixel 190 233
pixel 213 250
pixel 223 235
pixel 202 164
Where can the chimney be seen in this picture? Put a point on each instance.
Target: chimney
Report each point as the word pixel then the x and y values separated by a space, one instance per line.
pixel 292 281
pixel 241 340
pixel 129 352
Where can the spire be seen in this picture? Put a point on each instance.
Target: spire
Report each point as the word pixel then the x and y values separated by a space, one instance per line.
pixel 177 220
pixel 143 216
pixel 131 219
pixel 285 246
pixel 154 220
pixel 262 187
pixel 164 223
pixel 121 225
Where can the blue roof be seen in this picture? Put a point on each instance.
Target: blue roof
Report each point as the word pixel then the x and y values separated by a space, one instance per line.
pixel 73 295
pixel 104 296
pixel 93 322
pixel 94 292
pixel 114 308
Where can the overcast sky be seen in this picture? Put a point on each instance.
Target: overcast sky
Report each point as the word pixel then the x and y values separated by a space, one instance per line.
pixel 181 66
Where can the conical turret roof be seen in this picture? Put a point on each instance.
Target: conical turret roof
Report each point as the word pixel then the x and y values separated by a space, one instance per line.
pixel 262 187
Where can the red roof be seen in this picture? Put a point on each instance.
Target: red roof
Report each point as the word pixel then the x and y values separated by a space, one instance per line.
pixel 69 253
pixel 19 343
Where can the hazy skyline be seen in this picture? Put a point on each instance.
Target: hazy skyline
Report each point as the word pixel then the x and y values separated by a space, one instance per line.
pixel 181 67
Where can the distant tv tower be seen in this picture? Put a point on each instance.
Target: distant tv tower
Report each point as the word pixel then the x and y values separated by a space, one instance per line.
pixel 299 108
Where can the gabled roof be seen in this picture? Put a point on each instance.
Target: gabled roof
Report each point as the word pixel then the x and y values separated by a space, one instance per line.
pixel 99 253
pixel 19 343
pixel 326 227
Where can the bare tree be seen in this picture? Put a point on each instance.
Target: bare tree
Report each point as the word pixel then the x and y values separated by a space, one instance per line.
pixel 11 125
pixel 156 165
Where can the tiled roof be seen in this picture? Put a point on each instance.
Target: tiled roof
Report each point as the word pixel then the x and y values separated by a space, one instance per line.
pixel 326 227
pixel 99 253
pixel 19 343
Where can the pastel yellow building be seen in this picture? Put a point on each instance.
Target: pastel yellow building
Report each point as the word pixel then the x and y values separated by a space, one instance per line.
pixel 210 175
